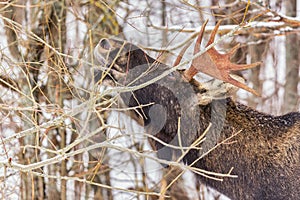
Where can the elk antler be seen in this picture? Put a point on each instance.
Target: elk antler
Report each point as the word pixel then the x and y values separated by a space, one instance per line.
pixel 216 64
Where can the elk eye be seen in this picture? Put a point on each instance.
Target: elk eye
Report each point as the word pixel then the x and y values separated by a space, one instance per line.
pixel 104 43
pixel 122 60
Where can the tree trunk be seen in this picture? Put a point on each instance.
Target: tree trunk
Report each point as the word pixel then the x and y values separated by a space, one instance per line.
pixel 256 52
pixel 292 63
pixel 56 86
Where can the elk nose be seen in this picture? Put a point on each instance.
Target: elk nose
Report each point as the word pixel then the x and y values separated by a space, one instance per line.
pixel 104 44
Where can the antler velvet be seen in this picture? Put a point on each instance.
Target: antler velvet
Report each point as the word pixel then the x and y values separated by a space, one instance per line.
pixel 214 63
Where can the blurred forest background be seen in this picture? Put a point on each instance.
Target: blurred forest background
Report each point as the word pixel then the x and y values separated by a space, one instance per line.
pixel 63 137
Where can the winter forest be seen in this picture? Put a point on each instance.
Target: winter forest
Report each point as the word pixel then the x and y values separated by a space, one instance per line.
pixel 65 136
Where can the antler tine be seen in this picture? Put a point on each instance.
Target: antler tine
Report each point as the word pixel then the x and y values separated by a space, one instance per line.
pixel 200 37
pixel 197 45
pixel 213 33
pixel 183 50
pixel 232 51
pixel 241 85
pixel 237 67
pixel 192 71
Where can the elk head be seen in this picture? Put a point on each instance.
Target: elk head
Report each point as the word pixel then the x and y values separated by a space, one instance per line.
pixel 121 56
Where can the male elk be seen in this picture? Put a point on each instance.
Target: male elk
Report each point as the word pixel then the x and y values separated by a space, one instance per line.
pixel 261 149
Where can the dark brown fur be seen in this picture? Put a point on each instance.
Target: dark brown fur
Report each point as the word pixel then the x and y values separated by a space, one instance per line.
pixel 264 153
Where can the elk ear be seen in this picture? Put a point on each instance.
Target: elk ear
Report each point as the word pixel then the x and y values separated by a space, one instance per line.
pixel 102 50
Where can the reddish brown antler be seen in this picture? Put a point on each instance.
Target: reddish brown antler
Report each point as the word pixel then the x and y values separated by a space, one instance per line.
pixel 216 64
